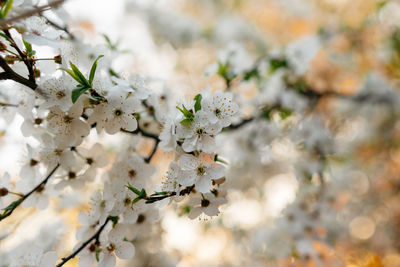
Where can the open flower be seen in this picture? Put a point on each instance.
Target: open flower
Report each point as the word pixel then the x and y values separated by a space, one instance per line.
pixel 116 246
pixel 207 204
pixel 219 108
pixel 115 114
pixel 199 171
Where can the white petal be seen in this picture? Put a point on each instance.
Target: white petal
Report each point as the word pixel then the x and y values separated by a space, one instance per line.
pixel 107 260
pixel 187 178
pixel 216 172
pixel 204 184
pixel 48 259
pixel 124 250
pixel 188 162
pixel 195 212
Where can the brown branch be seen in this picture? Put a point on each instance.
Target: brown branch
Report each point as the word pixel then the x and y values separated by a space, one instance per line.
pixel 76 252
pixel 28 63
pixel 55 25
pixel 18 202
pixel 9 74
pixel 5 23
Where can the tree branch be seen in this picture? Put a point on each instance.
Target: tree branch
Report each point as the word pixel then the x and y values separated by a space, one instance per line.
pixel 148 159
pixel 18 202
pixel 144 133
pixel 76 252
pixel 23 56
pixel 30 13
pixel 9 74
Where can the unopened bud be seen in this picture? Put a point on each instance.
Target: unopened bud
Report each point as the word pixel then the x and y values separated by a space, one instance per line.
pixel 58 59
pixel 36 73
pixel 3 192
pixel 2 3
pixel 3 47
pixel 10 59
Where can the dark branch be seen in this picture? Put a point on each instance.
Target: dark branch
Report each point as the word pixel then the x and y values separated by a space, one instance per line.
pixel 144 133
pixel 30 13
pixel 87 242
pixel 28 63
pixel 22 199
pixel 55 25
pixel 9 74
pixel 148 159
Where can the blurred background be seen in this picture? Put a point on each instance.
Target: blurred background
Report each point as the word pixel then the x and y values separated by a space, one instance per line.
pixel 349 217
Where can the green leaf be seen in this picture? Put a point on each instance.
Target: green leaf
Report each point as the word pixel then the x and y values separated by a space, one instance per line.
pixel 12 206
pixel 93 70
pixel 79 75
pixel 188 115
pixel 284 113
pixel 28 48
pixel 7 8
pixel 72 74
pixel 5 36
pixel 197 105
pixel 150 201
pixel 76 93
pixel 186 122
pixel 98 250
pixel 136 200
pixel 133 189
pixel 114 220
pixel 276 63
pixel 143 193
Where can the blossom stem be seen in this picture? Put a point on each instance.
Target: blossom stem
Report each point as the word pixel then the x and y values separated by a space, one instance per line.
pixel 87 242
pixel 23 56
pixel 30 13
pixel 15 204
pixel 183 192
pixel 9 74
pixel 156 142
pixel 3 104
pixel 55 25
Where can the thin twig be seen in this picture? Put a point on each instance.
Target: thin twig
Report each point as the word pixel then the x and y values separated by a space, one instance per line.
pixel 23 56
pixel 30 13
pixel 9 74
pixel 144 133
pixel 148 159
pixel 76 252
pixel 55 25
pixel 24 197
pixel 3 104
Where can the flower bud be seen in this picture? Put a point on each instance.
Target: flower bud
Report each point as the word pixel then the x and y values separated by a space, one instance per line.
pixel 3 192
pixel 58 59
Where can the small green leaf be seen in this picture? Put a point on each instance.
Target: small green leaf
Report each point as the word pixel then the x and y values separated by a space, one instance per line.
pixel 72 74
pixel 186 122
pixel 98 250
pixel 276 63
pixel 93 70
pixel 197 105
pixel 136 200
pixel 188 115
pixel 143 193
pixel 12 206
pixel 28 48
pixel 76 93
pixel 284 113
pixel 150 201
pixel 114 220
pixel 7 8
pixel 133 189
pixel 79 75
